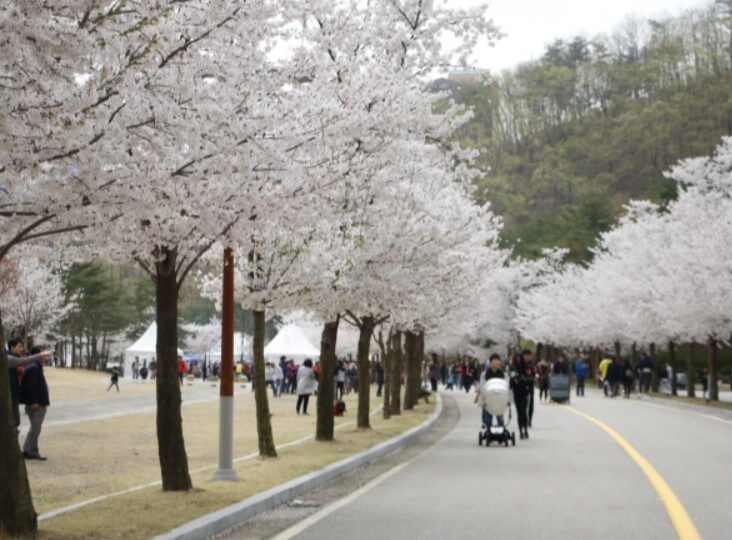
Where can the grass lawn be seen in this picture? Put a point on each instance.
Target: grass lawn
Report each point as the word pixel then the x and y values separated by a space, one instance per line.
pixel 99 457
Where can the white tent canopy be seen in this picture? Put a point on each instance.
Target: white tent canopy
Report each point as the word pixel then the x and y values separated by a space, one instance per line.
pixel 144 349
pixel 291 343
pixel 242 348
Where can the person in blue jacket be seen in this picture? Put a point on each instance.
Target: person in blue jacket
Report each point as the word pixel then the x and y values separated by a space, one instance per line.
pixel 580 372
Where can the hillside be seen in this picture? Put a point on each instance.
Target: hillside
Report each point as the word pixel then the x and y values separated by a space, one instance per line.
pixel 567 140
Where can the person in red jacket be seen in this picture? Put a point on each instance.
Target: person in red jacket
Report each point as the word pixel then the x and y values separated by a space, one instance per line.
pixel 181 369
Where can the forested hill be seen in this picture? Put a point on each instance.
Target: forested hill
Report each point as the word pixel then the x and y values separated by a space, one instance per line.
pixel 571 137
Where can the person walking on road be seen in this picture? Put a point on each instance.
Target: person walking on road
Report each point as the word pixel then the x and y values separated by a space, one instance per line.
pixel 580 372
pixel 435 372
pixel 628 379
pixel 614 376
pixel 602 368
pixel 34 395
pixel 645 372
pixel 493 371
pixel 306 385
pixel 542 370
pixel 561 367
pixel 522 385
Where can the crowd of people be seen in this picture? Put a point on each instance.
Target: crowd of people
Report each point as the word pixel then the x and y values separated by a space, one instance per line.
pixel 28 385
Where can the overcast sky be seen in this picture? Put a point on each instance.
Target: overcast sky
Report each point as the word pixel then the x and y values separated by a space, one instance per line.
pixel 531 24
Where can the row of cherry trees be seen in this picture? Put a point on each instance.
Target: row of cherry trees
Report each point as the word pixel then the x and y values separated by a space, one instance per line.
pixel 661 276
pixel 294 132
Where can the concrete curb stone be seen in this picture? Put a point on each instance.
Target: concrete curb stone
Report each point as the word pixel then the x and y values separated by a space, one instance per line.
pixel 226 518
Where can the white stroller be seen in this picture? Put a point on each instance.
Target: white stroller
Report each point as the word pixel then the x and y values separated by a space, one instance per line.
pixel 495 397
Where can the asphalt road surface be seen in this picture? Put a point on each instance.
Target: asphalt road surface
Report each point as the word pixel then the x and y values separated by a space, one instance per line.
pixel 649 471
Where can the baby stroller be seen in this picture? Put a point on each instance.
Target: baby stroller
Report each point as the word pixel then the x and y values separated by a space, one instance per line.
pixel 495 397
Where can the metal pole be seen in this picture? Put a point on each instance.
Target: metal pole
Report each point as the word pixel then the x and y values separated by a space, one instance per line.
pixel 226 385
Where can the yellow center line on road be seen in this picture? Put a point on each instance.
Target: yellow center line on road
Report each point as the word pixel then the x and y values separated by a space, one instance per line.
pixel 685 528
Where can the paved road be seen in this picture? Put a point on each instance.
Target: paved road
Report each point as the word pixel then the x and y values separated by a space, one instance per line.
pixel 570 480
pixel 117 404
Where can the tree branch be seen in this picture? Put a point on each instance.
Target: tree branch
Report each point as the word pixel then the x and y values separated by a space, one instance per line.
pixel 184 47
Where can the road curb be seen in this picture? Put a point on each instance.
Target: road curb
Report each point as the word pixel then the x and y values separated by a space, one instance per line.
pixel 231 516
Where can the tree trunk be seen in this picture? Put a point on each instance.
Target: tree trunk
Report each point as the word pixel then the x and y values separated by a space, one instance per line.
pixel 539 348
pixel 420 355
pixel 386 359
pixel 411 388
pixel 324 426
pixel 366 329
pixel 712 376
pixel 17 515
pixel 395 405
pixel 690 374
pixel 617 352
pixel 596 362
pixel 89 364
pixel 171 446
pixel 654 376
pixel 672 361
pixel 264 423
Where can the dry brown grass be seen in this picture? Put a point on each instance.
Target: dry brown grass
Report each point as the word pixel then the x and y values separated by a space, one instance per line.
pixel 73 385
pixel 99 457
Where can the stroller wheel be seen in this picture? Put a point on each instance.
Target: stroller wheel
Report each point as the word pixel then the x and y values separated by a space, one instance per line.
pixel 513 439
pixel 480 439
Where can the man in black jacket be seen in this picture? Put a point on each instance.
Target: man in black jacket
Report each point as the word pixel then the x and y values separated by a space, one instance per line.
pixel 34 394
pixel 16 360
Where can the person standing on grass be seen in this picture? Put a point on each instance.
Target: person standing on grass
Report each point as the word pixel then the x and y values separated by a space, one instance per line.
pixel 379 376
pixel 340 377
pixel 181 369
pixel 279 377
pixel 34 395
pixel 16 361
pixel 114 380
pixel 144 370
pixel 306 385
pixel 283 372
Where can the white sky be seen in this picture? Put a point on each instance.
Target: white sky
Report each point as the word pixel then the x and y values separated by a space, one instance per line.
pixel 531 24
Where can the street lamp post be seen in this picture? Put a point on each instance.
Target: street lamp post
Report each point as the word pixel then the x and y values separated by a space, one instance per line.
pixel 226 470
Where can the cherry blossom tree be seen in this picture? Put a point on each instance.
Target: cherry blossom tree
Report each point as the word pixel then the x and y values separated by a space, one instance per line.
pixel 35 301
pixel 660 276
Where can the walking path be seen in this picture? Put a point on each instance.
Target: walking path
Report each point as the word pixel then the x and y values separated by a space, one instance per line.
pixel 601 468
